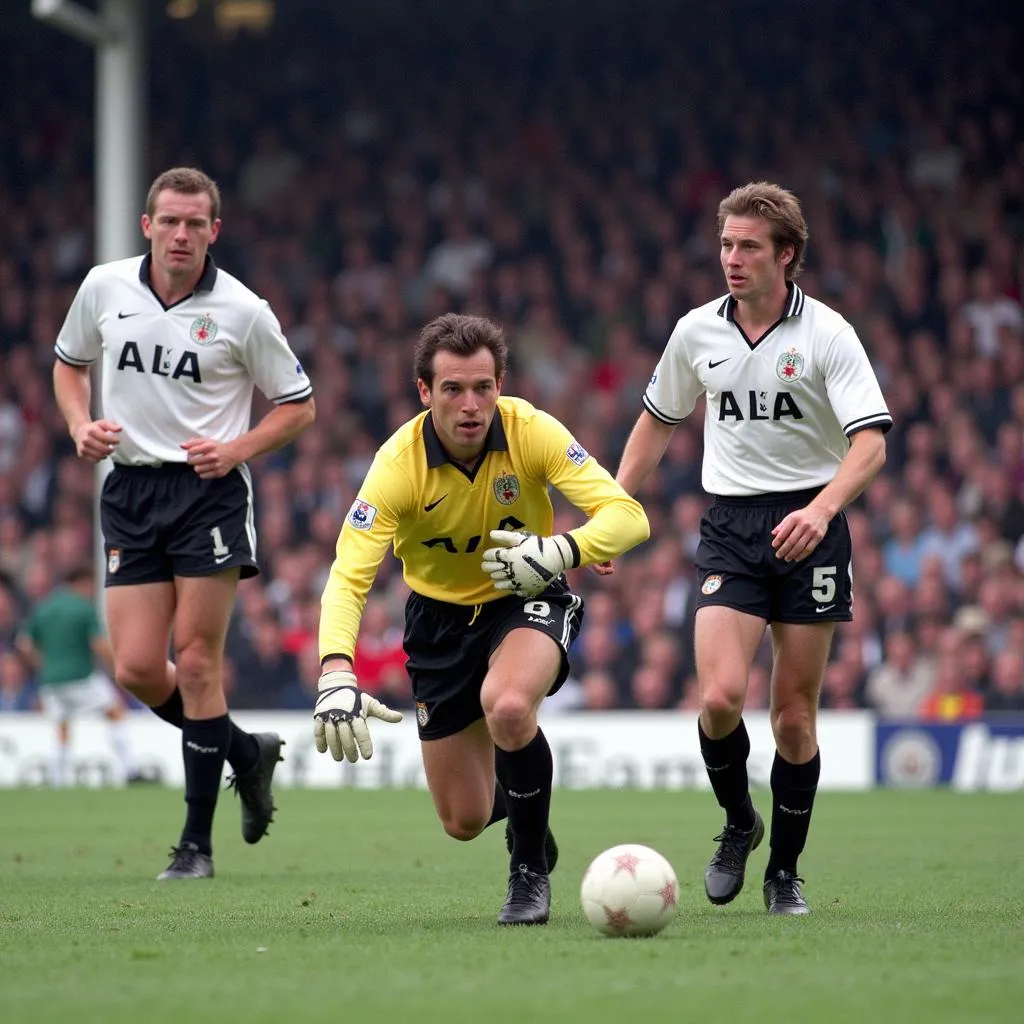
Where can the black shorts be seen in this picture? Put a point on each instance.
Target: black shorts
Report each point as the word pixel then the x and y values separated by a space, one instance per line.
pixel 164 521
pixel 449 647
pixel 738 567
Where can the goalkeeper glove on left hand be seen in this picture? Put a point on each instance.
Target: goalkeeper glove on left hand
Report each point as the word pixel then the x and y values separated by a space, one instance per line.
pixel 527 564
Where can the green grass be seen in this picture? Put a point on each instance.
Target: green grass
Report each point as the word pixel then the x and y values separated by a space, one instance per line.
pixel 358 910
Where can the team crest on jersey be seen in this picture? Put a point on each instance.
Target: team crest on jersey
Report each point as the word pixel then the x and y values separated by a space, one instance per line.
pixel 790 366
pixel 361 515
pixel 712 584
pixel 203 329
pixel 422 714
pixel 577 453
pixel 114 560
pixel 506 488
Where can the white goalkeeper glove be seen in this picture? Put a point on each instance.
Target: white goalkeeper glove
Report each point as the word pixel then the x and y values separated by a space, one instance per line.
pixel 339 717
pixel 525 563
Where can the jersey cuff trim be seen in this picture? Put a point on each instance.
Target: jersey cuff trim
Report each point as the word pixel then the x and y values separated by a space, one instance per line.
pixel 327 657
pixel 658 414
pixel 878 419
pixel 71 360
pixel 294 396
pixel 575 550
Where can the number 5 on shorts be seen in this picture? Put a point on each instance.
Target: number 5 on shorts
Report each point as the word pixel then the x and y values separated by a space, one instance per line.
pixel 823 585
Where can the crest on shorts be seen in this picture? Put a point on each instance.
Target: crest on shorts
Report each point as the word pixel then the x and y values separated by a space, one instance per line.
pixel 506 488
pixel 203 329
pixel 790 366
pixel 711 584
pixel 422 714
pixel 114 560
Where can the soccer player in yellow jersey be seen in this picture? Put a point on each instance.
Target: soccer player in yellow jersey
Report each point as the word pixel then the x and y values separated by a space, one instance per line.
pixel 461 492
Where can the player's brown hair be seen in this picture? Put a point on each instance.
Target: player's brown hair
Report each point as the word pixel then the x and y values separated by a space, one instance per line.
pixel 188 181
pixel 780 208
pixel 462 336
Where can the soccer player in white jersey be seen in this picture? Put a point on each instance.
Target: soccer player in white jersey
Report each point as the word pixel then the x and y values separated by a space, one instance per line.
pixel 793 431
pixel 181 345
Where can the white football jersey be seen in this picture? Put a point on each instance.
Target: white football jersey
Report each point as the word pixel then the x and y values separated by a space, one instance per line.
pixel 187 370
pixel 779 412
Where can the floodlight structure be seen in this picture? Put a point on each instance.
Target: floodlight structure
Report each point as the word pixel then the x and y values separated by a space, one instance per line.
pixel 116 31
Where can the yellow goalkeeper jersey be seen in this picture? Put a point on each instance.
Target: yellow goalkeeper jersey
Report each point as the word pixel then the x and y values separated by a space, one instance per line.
pixel 438 515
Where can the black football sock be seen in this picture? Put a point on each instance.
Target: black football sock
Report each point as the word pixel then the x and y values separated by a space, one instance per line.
pixel 726 762
pixel 204 743
pixel 499 812
pixel 243 751
pixel 172 710
pixel 793 790
pixel 526 777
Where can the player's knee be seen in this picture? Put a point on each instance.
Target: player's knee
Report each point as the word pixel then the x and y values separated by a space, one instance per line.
pixel 511 720
pixel 463 827
pixel 197 668
pixel 793 726
pixel 139 677
pixel 721 703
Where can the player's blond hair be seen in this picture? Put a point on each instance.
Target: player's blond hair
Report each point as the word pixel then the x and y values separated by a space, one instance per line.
pixel 780 208
pixel 462 336
pixel 188 181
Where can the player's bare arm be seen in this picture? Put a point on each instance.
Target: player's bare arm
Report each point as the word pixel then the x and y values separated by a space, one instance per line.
pixel 212 459
pixel 644 450
pixel 801 531
pixel 28 651
pixel 72 387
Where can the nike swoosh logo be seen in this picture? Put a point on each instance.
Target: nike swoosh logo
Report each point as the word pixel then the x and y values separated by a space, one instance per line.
pixel 712 364
pixel 124 316
pixel 434 504
pixel 824 608
pixel 223 558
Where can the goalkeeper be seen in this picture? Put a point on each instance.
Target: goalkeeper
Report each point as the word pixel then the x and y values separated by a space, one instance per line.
pixel 461 492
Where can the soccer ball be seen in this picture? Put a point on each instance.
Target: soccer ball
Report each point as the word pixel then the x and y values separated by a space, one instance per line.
pixel 629 890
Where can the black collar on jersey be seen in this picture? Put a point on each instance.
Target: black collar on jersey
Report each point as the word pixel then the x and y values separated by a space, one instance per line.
pixel 495 441
pixel 794 304
pixel 794 307
pixel 207 279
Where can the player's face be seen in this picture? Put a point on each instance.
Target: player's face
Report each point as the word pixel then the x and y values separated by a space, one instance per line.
pixel 180 231
pixel 462 401
pixel 753 269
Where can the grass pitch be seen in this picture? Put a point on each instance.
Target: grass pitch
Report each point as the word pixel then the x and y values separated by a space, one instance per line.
pixel 358 909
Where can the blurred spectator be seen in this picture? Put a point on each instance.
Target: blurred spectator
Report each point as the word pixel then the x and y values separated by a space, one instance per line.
pixel 906 547
pixel 16 690
pixel 264 670
pixel 987 311
pixel 950 699
pixel 379 656
pixel 1007 690
pixel 897 687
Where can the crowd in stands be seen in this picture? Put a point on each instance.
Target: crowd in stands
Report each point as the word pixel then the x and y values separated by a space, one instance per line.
pixel 559 170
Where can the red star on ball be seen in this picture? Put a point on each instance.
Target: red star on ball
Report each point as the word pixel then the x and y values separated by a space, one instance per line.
pixel 617 920
pixel 669 895
pixel 626 862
